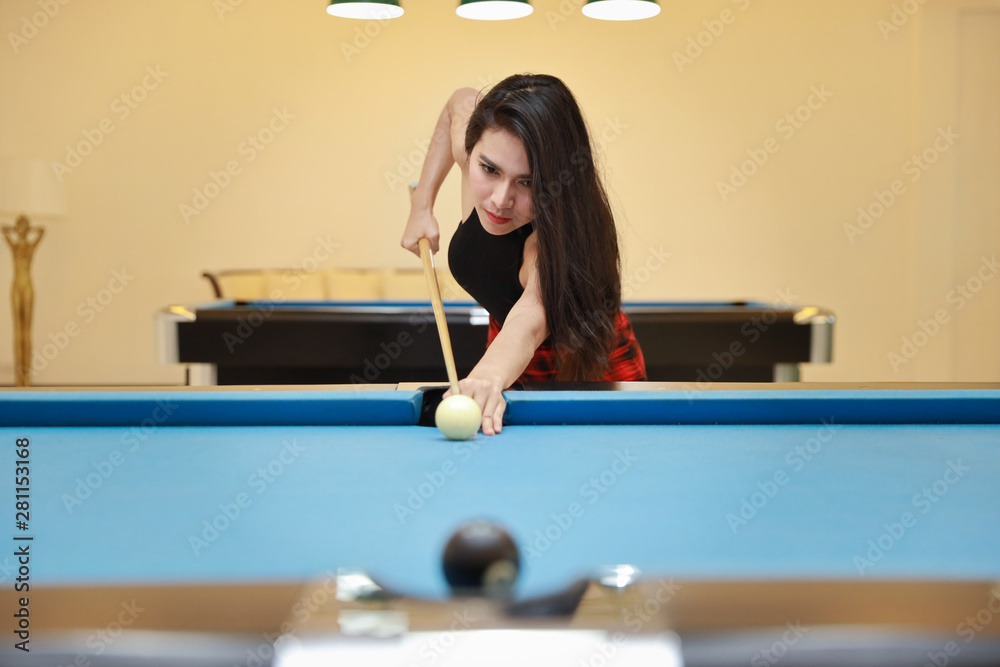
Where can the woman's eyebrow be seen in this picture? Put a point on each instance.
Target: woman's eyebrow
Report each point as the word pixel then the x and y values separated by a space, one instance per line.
pixel 493 164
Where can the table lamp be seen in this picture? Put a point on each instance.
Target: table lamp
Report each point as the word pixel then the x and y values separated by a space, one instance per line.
pixel 28 191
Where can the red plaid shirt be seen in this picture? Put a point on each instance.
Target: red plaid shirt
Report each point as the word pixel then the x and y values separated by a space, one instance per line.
pixel 626 363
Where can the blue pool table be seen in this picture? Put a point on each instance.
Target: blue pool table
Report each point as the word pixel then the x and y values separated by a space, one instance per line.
pixel 737 485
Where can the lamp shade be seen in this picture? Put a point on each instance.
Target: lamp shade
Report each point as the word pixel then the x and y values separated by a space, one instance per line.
pixel 493 10
pixel 30 187
pixel 621 10
pixel 365 9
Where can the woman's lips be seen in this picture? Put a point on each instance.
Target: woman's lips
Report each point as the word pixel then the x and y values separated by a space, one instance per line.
pixel 496 220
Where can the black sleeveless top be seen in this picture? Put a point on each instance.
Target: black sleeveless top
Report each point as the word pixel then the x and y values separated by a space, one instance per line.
pixel 487 266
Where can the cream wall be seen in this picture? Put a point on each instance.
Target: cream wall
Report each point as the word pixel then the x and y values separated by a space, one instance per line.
pixel 349 115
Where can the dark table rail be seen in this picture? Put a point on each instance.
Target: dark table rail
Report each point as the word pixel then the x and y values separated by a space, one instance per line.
pixel 332 343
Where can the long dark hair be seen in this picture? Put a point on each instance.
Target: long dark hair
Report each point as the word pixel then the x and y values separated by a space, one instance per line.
pixel 578 260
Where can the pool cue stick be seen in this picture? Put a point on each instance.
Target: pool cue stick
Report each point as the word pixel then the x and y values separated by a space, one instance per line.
pixel 442 324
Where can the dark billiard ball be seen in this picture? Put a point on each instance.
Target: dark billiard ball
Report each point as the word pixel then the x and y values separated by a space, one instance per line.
pixel 481 558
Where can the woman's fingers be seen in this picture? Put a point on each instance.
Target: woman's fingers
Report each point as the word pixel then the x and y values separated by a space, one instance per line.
pixel 489 396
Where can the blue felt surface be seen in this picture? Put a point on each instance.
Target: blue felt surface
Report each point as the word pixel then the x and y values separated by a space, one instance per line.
pixel 336 501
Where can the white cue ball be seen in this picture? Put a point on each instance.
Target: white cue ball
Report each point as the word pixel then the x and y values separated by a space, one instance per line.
pixel 458 417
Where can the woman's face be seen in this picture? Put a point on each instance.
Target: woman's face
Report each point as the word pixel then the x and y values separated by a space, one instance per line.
pixel 501 182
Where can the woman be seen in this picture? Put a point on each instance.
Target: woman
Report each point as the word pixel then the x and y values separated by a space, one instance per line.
pixel 538 246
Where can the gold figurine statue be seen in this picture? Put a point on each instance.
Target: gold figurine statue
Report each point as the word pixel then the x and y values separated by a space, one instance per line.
pixel 22 239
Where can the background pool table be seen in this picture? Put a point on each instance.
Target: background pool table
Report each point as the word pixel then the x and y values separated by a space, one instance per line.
pixel 267 342
pixel 252 488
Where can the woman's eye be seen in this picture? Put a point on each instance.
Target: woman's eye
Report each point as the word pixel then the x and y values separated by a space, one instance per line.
pixel 487 168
